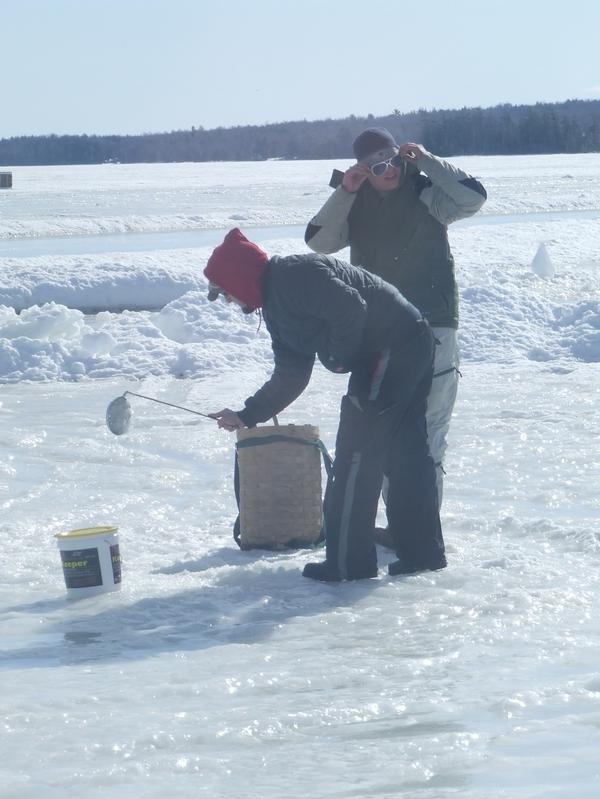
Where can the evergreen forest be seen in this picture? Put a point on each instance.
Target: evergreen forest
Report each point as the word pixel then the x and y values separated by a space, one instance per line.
pixel 572 126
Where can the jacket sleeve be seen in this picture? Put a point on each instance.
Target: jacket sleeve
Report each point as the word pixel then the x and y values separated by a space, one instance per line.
pixel 327 232
pixel 289 379
pixel 453 194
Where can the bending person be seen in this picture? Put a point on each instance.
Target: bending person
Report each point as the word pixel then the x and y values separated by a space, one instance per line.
pixel 357 323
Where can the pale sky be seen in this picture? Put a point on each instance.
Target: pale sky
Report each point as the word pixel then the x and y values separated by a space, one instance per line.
pixel 135 66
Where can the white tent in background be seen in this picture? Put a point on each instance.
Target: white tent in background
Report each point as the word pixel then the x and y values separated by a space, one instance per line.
pixel 541 264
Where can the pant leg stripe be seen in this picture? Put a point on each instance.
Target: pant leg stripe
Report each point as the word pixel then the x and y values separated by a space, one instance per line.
pixel 349 495
pixel 379 374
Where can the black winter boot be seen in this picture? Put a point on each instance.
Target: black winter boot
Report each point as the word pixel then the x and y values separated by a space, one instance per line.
pixel 408 567
pixel 328 574
pixel 321 571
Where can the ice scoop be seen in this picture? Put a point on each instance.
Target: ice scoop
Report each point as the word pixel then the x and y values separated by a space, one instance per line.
pixel 118 412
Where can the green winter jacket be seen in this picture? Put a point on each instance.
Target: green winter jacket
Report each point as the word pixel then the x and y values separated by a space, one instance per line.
pixel 402 235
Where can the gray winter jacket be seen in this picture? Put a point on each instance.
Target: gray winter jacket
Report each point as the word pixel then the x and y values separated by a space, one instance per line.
pixel 401 235
pixel 318 305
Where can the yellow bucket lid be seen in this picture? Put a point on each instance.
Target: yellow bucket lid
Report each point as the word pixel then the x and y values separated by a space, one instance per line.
pixel 87 531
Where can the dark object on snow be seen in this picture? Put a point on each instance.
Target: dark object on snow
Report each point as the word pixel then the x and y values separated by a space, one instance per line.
pixel 326 573
pixel 405 566
pixel 5 180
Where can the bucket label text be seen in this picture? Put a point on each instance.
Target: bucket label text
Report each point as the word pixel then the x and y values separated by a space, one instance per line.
pixel 81 568
pixel 115 559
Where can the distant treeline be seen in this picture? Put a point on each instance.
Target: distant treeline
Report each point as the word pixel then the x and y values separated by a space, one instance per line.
pixel 569 127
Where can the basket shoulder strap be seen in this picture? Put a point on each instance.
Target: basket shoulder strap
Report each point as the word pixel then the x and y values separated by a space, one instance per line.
pixel 327 459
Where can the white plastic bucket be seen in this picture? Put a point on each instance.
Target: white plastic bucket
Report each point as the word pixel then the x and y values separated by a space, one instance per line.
pixel 91 560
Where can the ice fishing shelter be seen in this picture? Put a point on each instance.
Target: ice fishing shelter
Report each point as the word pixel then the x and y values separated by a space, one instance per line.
pixel 5 180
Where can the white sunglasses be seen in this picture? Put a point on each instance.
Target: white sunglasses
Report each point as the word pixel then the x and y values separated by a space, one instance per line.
pixel 381 167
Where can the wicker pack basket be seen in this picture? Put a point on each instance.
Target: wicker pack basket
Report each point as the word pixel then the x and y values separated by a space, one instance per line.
pixel 279 486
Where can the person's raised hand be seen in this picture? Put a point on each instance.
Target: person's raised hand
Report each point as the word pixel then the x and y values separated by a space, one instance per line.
pixel 354 178
pixel 411 151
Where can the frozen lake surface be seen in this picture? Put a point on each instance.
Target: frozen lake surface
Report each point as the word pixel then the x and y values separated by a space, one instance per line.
pixel 28 247
pixel 221 673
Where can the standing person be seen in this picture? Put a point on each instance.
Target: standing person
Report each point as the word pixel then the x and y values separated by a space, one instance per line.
pixel 395 218
pixel 354 322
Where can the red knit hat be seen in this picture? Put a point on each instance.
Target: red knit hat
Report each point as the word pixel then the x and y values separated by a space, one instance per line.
pixel 237 266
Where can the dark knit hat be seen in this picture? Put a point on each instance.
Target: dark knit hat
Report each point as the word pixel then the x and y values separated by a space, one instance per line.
pixel 236 267
pixel 371 142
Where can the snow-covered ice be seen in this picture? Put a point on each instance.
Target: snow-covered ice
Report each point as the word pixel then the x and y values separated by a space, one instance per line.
pixel 216 672
pixel 542 263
